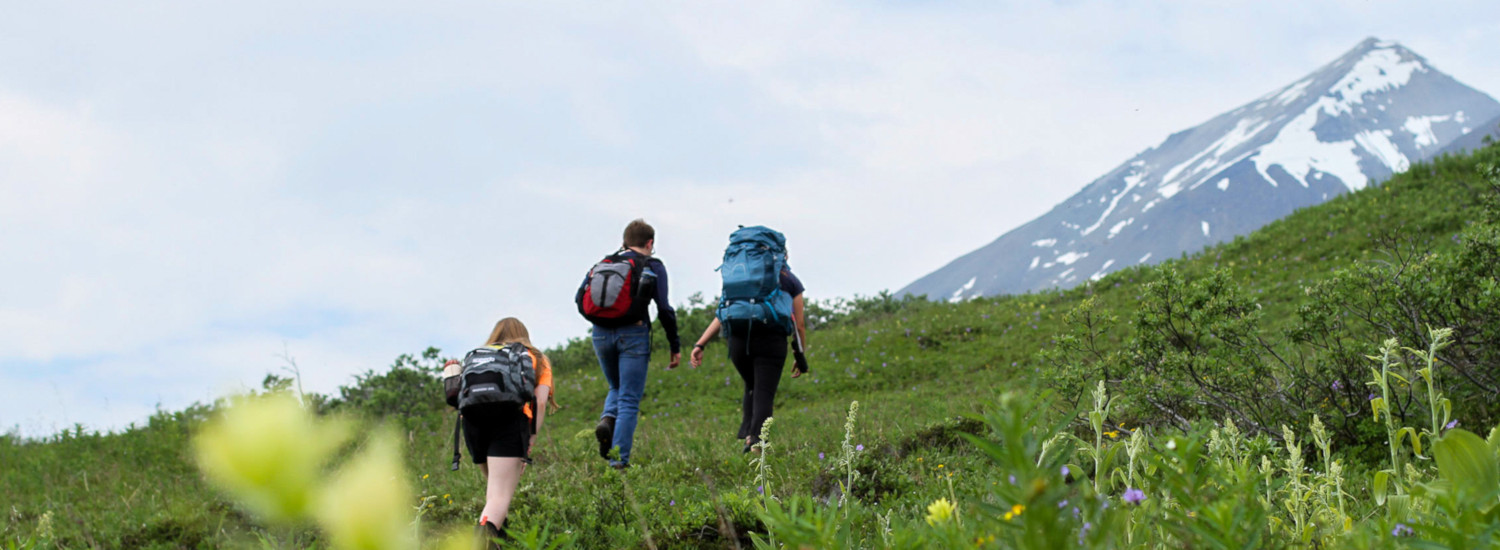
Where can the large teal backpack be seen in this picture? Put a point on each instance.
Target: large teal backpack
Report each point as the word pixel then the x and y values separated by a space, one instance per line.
pixel 752 280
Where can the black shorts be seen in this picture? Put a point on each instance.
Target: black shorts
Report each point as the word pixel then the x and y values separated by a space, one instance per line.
pixel 502 433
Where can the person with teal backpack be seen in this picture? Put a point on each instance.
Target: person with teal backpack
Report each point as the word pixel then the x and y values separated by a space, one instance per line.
pixel 759 307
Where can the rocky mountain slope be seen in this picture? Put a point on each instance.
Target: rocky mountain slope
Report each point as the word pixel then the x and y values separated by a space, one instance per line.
pixel 1367 115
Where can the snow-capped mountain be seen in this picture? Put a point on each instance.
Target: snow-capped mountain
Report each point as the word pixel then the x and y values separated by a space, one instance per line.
pixel 1352 123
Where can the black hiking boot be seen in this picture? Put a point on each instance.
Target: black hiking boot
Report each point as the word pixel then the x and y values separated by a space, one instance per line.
pixel 605 433
pixel 491 537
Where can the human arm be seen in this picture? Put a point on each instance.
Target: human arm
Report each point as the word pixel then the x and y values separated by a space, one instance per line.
pixel 713 330
pixel 665 314
pixel 543 393
pixel 543 396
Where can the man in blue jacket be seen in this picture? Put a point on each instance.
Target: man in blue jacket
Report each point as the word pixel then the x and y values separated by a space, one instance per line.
pixel 625 351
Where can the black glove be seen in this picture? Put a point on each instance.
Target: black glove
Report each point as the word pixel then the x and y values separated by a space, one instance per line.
pixel 800 361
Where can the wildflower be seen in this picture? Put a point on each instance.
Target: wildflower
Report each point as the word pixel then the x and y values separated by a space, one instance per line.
pixel 1451 425
pixel 859 447
pixel 1112 434
pixel 672 503
pixel 939 512
pixel 363 506
pixel 820 456
pixel 1063 504
pixel 1402 530
pixel 1337 385
pixel 424 476
pixel 1014 511
pixel 1013 479
pixel 1084 532
pixel 1171 444
pixel 1134 496
pixel 268 452
pixel 1065 472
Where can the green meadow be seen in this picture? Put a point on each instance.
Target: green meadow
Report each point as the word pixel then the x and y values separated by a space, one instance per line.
pixel 1291 388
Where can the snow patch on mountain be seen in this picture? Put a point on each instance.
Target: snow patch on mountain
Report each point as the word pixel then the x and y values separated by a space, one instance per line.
pixel 1379 70
pixel 1421 127
pixel 958 295
pixel 1378 143
pixel 1299 152
pixel 1131 182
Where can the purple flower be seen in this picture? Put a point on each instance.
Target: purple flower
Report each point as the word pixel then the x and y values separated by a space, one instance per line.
pixel 1084 532
pixel 761 489
pixel 1337 385
pixel 1402 530
pixel 1065 473
pixel 859 447
pixel 673 503
pixel 1372 397
pixel 1063 504
pixel 1133 496
pixel 1451 425
pixel 820 456
pixel 1013 479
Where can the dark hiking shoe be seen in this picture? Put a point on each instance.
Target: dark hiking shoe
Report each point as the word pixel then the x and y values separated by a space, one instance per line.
pixel 605 433
pixel 490 536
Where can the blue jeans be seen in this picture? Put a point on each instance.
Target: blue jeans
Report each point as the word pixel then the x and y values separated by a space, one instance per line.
pixel 624 354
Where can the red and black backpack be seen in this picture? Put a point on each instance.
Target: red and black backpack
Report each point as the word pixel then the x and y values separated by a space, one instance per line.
pixel 614 293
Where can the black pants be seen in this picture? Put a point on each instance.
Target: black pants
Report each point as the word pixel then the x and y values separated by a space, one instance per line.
pixel 760 360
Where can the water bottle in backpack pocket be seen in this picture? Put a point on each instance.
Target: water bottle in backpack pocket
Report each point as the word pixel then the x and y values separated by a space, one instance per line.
pixel 751 273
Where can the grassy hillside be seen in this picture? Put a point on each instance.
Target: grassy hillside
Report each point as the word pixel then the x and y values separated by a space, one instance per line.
pixel 1267 330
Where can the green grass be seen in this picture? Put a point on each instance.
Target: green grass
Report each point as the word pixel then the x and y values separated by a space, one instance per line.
pixel 914 366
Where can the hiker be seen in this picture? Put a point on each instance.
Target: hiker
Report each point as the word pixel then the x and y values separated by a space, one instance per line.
pixel 614 297
pixel 760 306
pixel 500 433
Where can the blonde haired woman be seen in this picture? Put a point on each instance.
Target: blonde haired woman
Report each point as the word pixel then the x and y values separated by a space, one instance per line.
pixel 501 443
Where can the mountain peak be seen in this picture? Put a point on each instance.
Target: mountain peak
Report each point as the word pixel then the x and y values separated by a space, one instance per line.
pixel 1367 115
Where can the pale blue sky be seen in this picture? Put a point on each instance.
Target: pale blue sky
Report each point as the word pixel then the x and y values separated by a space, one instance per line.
pixel 187 188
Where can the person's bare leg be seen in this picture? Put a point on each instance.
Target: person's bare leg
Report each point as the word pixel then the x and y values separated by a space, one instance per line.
pixel 501 487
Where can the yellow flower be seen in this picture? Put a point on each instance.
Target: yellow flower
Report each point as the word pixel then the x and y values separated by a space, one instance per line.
pixel 364 506
pixel 939 512
pixel 1014 511
pixel 1112 434
pixel 268 452
pixel 424 476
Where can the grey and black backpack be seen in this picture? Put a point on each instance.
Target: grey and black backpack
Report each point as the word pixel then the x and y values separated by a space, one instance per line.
pixel 493 379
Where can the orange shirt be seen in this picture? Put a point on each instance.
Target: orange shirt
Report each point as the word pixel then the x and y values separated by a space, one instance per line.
pixel 543 376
